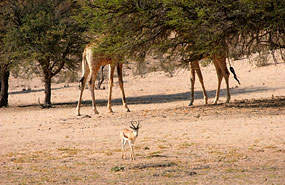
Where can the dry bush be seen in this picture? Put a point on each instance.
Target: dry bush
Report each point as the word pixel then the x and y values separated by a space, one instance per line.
pixel 65 76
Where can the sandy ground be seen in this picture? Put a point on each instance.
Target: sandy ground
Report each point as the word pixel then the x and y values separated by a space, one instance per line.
pixel 238 143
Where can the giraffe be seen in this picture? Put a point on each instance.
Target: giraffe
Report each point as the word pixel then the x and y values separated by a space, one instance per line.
pixel 100 78
pixel 222 72
pixel 91 62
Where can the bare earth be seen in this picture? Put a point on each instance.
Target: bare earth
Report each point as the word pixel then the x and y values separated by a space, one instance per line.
pixel 239 143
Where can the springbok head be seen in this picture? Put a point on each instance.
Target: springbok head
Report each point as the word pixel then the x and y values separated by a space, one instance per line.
pixel 135 128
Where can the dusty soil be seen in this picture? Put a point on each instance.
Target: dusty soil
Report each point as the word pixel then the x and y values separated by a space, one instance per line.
pixel 238 143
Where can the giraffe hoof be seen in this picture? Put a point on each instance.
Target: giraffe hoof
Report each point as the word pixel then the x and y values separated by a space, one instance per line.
pixel 190 104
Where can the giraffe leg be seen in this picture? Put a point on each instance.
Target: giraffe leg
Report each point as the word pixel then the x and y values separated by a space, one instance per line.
pixel 82 86
pixel 92 87
pixel 121 84
pixel 220 77
pixel 226 75
pixel 111 82
pixel 192 80
pixel 221 66
pixel 199 74
pixel 101 80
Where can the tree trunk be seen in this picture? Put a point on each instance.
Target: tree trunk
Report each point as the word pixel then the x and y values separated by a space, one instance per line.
pixel 47 80
pixel 4 78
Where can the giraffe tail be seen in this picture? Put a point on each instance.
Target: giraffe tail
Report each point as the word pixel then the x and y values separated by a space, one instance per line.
pixel 231 68
pixel 234 73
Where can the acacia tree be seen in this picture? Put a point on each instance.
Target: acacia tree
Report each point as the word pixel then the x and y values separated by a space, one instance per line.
pixel 185 29
pixel 4 63
pixel 189 29
pixel 4 77
pixel 44 36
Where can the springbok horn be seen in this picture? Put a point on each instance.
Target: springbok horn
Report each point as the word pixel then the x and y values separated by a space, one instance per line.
pixel 132 123
pixel 132 126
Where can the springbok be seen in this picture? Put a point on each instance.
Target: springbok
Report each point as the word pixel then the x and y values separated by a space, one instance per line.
pixel 222 72
pixel 130 136
pixel 92 61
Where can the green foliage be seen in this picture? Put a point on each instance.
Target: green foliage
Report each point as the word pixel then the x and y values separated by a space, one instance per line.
pixel 43 36
pixel 187 30
pixel 46 33
pixel 117 168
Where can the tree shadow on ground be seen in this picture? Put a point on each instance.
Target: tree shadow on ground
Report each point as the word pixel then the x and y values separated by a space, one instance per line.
pixel 33 90
pixel 160 98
